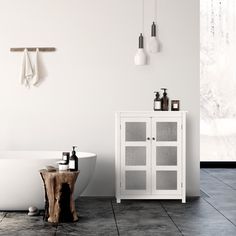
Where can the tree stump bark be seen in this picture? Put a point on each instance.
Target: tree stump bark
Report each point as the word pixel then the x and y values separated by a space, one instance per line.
pixel 59 202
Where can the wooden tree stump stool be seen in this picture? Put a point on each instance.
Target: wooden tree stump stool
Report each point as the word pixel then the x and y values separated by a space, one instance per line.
pixel 59 202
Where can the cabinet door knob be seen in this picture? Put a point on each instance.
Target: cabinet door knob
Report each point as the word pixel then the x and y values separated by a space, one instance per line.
pixel 148 138
pixel 153 138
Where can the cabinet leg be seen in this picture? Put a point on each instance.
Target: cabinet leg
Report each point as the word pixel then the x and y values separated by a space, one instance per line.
pixel 184 200
pixel 118 200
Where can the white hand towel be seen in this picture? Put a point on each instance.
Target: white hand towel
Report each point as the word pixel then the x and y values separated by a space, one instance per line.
pixel 36 68
pixel 27 71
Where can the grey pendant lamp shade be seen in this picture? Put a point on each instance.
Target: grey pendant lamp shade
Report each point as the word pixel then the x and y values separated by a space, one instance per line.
pixel 140 58
pixel 153 44
pixel 154 30
pixel 140 41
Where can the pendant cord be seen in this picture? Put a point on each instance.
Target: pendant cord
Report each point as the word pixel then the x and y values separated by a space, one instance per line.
pixel 155 10
pixel 142 30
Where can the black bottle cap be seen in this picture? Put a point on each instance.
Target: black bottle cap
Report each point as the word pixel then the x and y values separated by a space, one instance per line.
pixel 165 93
pixel 157 94
pixel 73 152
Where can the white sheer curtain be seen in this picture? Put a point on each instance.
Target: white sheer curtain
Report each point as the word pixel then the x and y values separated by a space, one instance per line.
pixel 218 80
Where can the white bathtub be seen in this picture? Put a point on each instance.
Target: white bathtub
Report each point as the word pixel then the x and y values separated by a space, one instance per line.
pixel 21 185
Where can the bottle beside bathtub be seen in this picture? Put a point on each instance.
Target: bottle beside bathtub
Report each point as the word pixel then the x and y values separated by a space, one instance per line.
pixel 69 162
pixel 63 165
pixel 73 161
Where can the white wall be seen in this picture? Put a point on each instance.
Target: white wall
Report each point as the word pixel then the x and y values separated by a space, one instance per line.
pixel 92 75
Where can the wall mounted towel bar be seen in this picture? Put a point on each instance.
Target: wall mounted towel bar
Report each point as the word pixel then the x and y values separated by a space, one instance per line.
pixel 41 49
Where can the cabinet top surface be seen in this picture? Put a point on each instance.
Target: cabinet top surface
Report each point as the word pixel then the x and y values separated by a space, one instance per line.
pixel 151 113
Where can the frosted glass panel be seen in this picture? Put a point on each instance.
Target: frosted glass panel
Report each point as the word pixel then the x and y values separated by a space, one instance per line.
pixel 166 180
pixel 135 131
pixel 166 156
pixel 135 180
pixel 135 156
pixel 218 83
pixel 166 131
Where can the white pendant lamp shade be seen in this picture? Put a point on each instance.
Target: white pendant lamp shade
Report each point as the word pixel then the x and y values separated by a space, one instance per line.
pixel 153 44
pixel 140 58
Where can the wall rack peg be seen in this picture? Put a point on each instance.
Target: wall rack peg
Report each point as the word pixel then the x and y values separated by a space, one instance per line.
pixel 41 49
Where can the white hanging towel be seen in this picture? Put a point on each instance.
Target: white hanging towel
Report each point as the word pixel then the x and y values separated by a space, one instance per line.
pixel 26 71
pixel 36 68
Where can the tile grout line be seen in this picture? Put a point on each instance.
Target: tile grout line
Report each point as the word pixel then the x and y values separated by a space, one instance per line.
pixel 202 169
pixel 55 232
pixel 41 218
pixel 221 181
pixel 212 204
pixel 202 189
pixel 171 218
pixel 4 215
pixel 219 212
pixel 207 172
pixel 114 215
pixel 204 192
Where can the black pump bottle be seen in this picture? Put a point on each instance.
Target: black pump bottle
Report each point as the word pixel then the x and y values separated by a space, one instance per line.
pixel 164 101
pixel 73 161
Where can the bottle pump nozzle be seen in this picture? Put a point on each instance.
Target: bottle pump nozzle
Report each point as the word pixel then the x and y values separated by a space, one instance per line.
pixel 157 94
pixel 74 147
pixel 165 93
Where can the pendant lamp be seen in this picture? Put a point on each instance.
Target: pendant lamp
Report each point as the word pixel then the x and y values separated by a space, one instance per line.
pixel 140 58
pixel 153 44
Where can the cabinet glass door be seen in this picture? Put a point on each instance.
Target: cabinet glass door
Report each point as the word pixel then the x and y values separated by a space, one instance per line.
pixel 166 153
pixel 135 156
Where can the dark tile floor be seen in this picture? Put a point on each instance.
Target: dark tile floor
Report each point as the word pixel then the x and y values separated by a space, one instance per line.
pixel 212 214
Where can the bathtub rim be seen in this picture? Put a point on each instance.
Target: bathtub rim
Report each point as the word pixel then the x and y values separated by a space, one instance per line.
pixel 55 155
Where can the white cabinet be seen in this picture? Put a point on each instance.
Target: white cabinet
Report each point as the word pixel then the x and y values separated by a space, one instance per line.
pixel 150 155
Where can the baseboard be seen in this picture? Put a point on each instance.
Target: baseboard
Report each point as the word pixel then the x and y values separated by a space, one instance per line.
pixel 218 164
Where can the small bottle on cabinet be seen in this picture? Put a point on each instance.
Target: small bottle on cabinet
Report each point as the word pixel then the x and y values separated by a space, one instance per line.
pixel 66 157
pixel 164 101
pixel 157 102
pixel 73 161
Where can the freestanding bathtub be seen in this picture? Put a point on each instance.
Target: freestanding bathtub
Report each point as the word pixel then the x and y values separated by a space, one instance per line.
pixel 21 185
